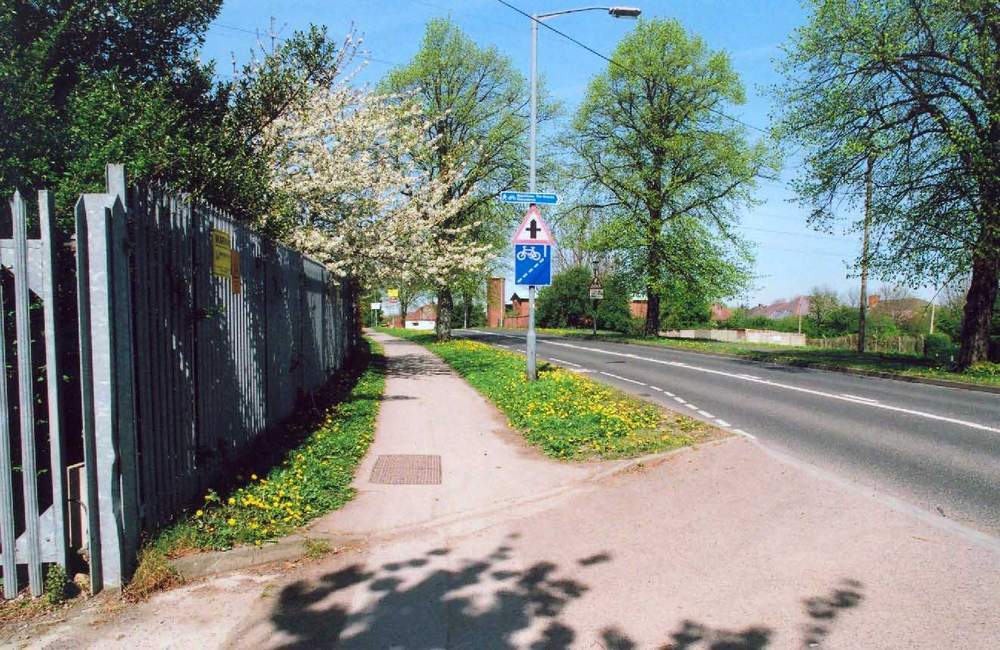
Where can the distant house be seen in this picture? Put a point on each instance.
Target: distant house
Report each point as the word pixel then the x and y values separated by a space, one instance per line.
pixel 517 312
pixel 720 312
pixel 422 318
pixel 797 306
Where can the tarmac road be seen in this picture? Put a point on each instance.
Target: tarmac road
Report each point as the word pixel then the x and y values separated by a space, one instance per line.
pixel 935 448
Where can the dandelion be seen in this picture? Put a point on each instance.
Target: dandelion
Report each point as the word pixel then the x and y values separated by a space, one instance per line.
pixel 232 501
pixel 199 513
pixel 231 521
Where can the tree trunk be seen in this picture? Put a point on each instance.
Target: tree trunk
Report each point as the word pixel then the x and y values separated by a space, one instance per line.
pixel 652 327
pixel 654 271
pixel 445 305
pixel 404 305
pixel 982 295
pixel 863 306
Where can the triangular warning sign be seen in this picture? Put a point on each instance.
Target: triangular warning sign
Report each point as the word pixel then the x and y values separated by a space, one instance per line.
pixel 533 229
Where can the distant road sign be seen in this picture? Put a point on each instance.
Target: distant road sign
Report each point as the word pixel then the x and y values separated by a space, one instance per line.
pixel 541 198
pixel 596 294
pixel 532 265
pixel 376 305
pixel 533 229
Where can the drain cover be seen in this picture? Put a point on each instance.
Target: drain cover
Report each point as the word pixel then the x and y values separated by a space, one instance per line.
pixel 407 469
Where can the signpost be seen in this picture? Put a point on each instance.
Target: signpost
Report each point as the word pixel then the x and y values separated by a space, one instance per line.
pixel 596 295
pixel 533 242
pixel 375 307
pixel 538 198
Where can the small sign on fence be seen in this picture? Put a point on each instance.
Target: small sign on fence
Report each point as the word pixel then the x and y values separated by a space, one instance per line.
pixel 221 256
pixel 234 265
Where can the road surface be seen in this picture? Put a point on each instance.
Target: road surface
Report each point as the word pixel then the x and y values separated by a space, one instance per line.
pixel 931 447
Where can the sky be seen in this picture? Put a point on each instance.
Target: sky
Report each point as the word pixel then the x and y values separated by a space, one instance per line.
pixel 791 259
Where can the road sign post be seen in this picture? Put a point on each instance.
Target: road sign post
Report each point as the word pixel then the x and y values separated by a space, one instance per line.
pixel 533 243
pixel 596 295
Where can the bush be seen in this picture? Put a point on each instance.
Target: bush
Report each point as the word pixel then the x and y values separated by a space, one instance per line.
pixel 939 347
pixel 984 369
pixel 55 584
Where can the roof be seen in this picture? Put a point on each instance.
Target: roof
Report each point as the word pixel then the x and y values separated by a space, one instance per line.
pixel 424 312
pixel 799 305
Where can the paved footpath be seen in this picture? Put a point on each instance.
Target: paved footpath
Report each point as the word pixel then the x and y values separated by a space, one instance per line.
pixel 730 545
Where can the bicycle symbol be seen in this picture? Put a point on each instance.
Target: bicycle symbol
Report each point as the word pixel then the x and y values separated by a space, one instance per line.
pixel 529 253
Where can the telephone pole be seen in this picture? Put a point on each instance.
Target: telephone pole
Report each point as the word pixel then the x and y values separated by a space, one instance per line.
pixel 863 307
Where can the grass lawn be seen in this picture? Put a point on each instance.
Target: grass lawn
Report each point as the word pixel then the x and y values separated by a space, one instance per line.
pixel 905 365
pixel 566 414
pixel 273 497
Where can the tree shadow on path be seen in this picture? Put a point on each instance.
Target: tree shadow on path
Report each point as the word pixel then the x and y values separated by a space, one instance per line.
pixel 428 602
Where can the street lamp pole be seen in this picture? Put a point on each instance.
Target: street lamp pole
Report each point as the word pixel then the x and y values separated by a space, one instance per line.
pixel 615 12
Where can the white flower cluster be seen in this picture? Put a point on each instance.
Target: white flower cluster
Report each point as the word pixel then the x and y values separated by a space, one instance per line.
pixel 349 160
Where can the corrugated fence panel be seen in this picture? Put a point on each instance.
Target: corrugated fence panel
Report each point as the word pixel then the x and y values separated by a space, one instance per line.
pixel 196 337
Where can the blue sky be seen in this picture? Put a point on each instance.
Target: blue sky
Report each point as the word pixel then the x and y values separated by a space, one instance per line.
pixel 791 258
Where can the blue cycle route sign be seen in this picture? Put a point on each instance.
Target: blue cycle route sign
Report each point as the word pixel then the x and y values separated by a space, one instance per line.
pixel 538 198
pixel 533 265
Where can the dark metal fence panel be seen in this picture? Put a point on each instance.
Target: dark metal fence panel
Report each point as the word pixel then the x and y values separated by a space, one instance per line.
pixel 196 337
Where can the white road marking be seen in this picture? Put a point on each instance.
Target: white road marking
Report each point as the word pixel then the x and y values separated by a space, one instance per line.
pixel 657 389
pixel 668 393
pixel 863 399
pixel 631 381
pixel 581 370
pixel 775 384
pixel 680 400
pixel 705 413
pixel 691 406
pixel 744 433
pixel 722 423
pixel 568 363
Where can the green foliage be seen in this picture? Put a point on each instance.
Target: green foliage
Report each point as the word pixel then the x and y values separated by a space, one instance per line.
pixel 938 346
pixel 683 306
pixel 88 83
pixel 674 172
pixel 477 101
pixel 907 88
pixel 56 583
pixel 566 303
pixel 569 416
pixel 313 478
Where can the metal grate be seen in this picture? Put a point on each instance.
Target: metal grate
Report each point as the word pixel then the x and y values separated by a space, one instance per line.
pixel 407 469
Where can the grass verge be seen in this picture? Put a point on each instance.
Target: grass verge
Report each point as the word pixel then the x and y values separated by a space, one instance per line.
pixel 312 478
pixel 904 365
pixel 567 415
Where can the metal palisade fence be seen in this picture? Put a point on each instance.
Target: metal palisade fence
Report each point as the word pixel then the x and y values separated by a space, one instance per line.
pixel 141 360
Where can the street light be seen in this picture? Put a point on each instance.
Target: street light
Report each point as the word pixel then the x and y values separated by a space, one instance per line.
pixel 614 12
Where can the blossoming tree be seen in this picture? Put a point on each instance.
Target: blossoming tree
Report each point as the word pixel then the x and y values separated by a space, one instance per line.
pixel 349 160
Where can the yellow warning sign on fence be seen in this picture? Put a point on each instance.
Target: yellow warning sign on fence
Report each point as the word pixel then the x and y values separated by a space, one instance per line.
pixel 221 257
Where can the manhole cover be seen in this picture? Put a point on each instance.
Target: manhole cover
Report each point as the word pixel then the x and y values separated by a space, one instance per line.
pixel 407 469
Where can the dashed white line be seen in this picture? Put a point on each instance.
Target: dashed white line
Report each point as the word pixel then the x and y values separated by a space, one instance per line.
pixel 679 400
pixel 631 381
pixel 668 393
pixel 705 414
pixel 568 363
pixel 657 389
pixel 722 423
pixel 863 399
pixel 691 406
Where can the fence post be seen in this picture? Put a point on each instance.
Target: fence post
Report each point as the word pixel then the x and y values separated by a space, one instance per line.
pixel 106 379
pixel 26 397
pixel 53 372
pixel 7 530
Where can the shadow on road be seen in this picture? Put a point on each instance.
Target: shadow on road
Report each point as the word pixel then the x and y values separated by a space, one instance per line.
pixel 482 603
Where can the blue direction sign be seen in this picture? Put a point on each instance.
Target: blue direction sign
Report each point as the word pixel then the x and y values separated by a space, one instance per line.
pixel 539 198
pixel 533 265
